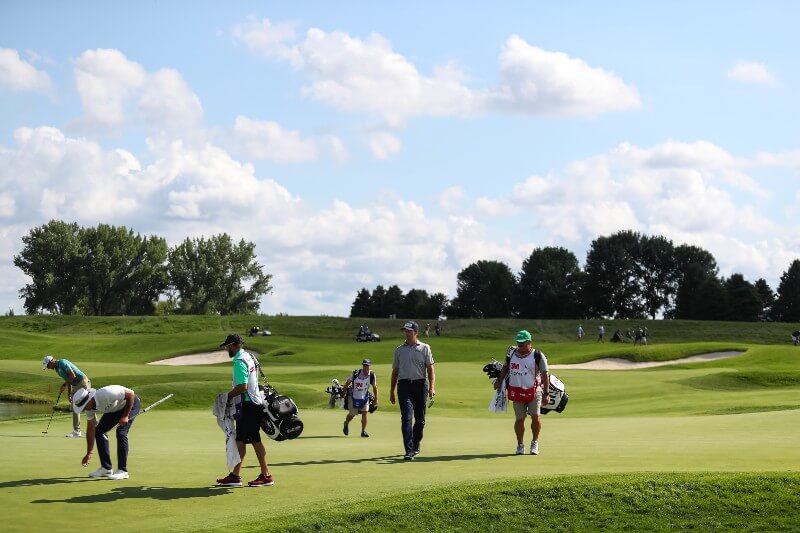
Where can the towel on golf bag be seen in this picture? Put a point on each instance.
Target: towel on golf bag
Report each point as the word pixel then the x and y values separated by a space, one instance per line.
pixel 224 412
pixel 499 402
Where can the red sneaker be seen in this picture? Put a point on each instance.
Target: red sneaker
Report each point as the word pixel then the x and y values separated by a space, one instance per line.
pixel 262 481
pixel 230 481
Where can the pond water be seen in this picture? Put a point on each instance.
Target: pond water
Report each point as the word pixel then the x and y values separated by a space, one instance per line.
pixel 21 409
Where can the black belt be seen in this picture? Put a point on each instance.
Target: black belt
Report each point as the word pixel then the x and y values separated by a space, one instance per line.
pixel 413 380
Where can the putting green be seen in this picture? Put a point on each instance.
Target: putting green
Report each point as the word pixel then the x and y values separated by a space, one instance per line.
pixel 175 457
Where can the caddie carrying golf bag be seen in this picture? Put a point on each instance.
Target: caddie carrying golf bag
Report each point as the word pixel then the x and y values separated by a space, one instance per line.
pixel 557 398
pixel 280 420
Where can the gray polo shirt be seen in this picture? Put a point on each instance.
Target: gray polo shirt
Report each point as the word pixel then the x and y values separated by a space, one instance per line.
pixel 411 361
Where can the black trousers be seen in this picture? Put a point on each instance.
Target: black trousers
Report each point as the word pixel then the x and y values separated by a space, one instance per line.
pixel 412 395
pixel 107 422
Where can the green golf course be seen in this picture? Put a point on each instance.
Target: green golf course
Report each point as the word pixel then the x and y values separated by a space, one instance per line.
pixel 709 446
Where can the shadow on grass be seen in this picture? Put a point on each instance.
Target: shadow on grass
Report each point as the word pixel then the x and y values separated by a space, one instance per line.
pixel 321 437
pixel 43 481
pixel 154 493
pixel 392 459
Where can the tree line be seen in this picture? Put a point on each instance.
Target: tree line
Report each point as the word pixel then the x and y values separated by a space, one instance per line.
pixel 110 270
pixel 625 275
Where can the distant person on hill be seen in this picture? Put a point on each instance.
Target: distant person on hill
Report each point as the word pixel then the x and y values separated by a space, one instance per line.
pixel 118 405
pixel 245 390
pixel 528 382
pixel 357 386
pixel 796 337
pixel 639 336
pixel 74 379
pixel 644 335
pixel 428 329
pixel 437 329
pixel 580 332
pixel 601 332
pixel 617 337
pixel 412 364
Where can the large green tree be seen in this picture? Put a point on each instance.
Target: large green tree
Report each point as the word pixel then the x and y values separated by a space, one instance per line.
pixel 549 284
pixel 766 296
pixel 787 300
pixel 701 295
pixel 124 273
pixel 215 275
pixel 742 299
pixel 52 256
pixel 485 289
pixel 612 277
pixel 656 270
pixel 362 305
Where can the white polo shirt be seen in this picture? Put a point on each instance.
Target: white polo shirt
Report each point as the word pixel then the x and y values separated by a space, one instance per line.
pixel 109 399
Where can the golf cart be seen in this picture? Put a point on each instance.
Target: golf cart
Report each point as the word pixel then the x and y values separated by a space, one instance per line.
pixel 255 331
pixel 366 335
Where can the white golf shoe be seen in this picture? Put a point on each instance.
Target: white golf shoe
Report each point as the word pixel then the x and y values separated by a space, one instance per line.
pixel 520 449
pixel 101 472
pixel 534 447
pixel 74 435
pixel 119 474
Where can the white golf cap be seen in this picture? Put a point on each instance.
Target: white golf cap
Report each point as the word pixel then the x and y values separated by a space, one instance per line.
pixel 80 398
pixel 46 361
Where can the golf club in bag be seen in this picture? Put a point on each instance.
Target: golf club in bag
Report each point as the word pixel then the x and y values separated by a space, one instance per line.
pixel 336 392
pixel 557 398
pixel 53 413
pixel 280 420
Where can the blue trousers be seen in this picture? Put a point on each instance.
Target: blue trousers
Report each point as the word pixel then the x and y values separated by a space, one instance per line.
pixel 412 395
pixel 108 421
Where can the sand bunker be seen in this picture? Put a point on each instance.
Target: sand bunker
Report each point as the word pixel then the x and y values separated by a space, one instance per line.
pixel 207 358
pixel 613 363
pixel 607 363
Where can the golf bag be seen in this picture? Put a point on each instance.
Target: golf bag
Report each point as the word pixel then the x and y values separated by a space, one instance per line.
pixel 337 393
pixel 557 399
pixel 280 420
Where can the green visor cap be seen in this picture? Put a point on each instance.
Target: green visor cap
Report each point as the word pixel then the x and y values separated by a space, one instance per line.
pixel 524 336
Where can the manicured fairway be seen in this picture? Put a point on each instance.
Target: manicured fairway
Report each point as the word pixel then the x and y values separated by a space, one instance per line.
pixel 653 449
pixel 176 457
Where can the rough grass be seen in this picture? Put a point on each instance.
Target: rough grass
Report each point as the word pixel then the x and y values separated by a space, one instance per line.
pixel 629 502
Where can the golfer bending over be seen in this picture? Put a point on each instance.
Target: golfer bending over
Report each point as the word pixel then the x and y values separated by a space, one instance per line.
pixel 245 390
pixel 118 405
pixel 528 382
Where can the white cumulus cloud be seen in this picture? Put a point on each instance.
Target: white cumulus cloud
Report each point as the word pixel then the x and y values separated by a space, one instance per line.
pixel 367 75
pixel 541 82
pixel 16 74
pixel 112 88
pixel 384 145
pixel 753 73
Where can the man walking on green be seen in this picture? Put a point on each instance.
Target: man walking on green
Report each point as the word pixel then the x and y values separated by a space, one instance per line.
pixel 74 379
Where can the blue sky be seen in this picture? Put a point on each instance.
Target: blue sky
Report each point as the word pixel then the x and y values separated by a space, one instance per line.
pixel 359 145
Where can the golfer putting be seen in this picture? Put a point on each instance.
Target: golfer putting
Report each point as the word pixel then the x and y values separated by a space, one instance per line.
pixel 119 406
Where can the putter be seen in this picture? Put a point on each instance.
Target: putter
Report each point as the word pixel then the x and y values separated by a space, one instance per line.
pixel 159 402
pixel 53 413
